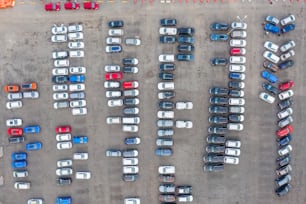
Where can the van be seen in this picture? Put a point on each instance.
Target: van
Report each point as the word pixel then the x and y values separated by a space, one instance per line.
pixel 22 185
pixel 235 126
pixel 236 109
pixel 130 120
pixel 20 174
pixel 129 161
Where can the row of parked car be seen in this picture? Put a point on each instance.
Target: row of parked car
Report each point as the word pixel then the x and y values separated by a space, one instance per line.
pixel 276 26
pixel 71 5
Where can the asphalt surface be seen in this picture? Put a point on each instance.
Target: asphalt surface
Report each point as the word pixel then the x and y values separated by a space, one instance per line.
pixel 26 55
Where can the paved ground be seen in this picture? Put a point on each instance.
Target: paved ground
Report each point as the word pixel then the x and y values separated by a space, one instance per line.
pixel 26 55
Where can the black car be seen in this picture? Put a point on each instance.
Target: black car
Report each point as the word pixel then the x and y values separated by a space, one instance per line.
pixel 166 105
pixel 214 158
pixel 166 76
pixel 217 130
pixel 60 79
pixel 236 93
pixel 116 24
pixel 185 48
pixel 236 84
pixel 285 103
pixel 130 101
pixel 168 22
pixel 284 140
pixel 185 31
pixel 166 94
pixel 284 161
pixel 286 64
pixel 216 139
pixel 129 61
pixel 218 61
pixel 236 118
pixel 218 100
pixel 132 70
pixel 129 177
pixel 218 109
pixel 167 67
pixel 215 148
pixel 218 91
pixel 167 39
pixel 270 88
pixel 63 181
pixel 283 190
pixel 213 167
pixel 218 119
pixel 219 26
pixel 15 140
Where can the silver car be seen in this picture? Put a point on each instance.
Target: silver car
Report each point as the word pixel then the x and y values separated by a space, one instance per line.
pixel 113 153
pixel 130 153
pixel 165 123
pixel 282 123
pixel 165 132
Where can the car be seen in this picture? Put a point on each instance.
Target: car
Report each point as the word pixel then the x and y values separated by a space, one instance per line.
pixel 76 36
pixel 130 120
pixel 287 55
pixel 167 67
pixel 239 25
pixel 31 129
pixel 286 64
pixel 218 37
pixel 168 22
pixel 164 142
pixel 79 111
pixel 129 177
pixel 22 185
pixel 167 31
pixel 14 122
pixel 217 26
pixel 130 61
pixel 63 181
pixel 270 88
pixel 113 76
pixel 272 20
pixel 166 188
pixel 166 169
pixel 19 156
pixel 61 63
pixel 283 160
pixel 270 66
pixel 236 75
pixel 132 140
pixel 131 93
pixel 90 5
pixel 64 200
pixel 215 148
pixel 285 113
pixel 75 27
pixel 113 94
pixel 165 114
pixel 210 167
pixel 269 76
pixel 236 101
pixel 284 131
pixel 271 28
pixel 59 38
pixel 219 91
pixel 61 104
pixel 185 31
pixel 217 130
pixel 77 103
pixel 18 164
pixel 217 61
pixel 218 100
pixel 113 153
pixel 283 190
pixel 231 160
pixel 113 120
pixel 130 169
pixel 61 29
pixel 53 6
pixel 112 84
pixel 266 97
pixel 32 146
pixel 13 131
pixel 130 101
pixel 60 54
pixel 131 110
pixel 77 79
pixel 16 139
pixel 35 201
pixel 80 156
pixel 271 57
pixel 132 41
pixel 11 88
pixel 166 94
pixel 235 126
pixel 76 53
pixel 236 118
pixel 71 5
pixel 166 105
pixel 130 84
pixel 287 20
pixel 185 48
pixel 63 145
pixel 63 129
pixel 165 132
pixel 116 24
pixel 60 95
pixel 236 51
pixel 165 86
pixel 166 58
pixel 237 59
pixel 60 79
pixel 213 158
pixel 64 163
pixel 77 95
pixel 287 46
pixel 113 48
pixel 233 143
pixel 236 109
pixel 130 153
pixel 59 71
pixel 14 96
pixel 13 104
pixel 166 198
pixel 76 45
pixel 218 109
pixel 185 57
pixel 236 93
pixel 185 39
pixel 80 139
pixel 183 124
pixel 239 34
pixel 283 170
pixel 237 43
pixel 131 70
pixel 271 46
pixel 284 150
pixel 163 152
pixel 215 139
pixel 286 85
pixel 30 94
pixel 183 105
pixel 285 103
pixel 164 123
pixel 115 32
pixel 166 178
pixel 232 151
pixel 82 175
pixel 66 171
pixel 285 94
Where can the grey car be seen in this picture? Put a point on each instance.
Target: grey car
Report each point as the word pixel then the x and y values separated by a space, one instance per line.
pixel 236 93
pixel 167 188
pixel 213 158
pixel 130 101
pixel 113 153
pixel 215 148
pixel 218 109
pixel 166 94
pixel 77 95
pixel 165 123
pixel 129 177
pixel 221 91
pixel 218 100
pixel 63 181
pixel 164 142
pixel 286 121
pixel 165 132
pixel 283 170
pixel 217 130
pixel 184 189
pixel 130 153
pixel 283 180
pixel 163 152
pixel 213 167
pixel 131 111
pixel 284 160
pixel 218 119
pixel 166 105
pixel 236 118
pixel 285 103
pixel 216 139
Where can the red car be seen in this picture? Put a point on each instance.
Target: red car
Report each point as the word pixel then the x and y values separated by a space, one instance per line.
pixel 91 5
pixel 237 51
pixel 72 5
pixel 130 84
pixel 286 85
pixel 53 6
pixel 113 76
pixel 63 129
pixel 284 131
pixel 15 131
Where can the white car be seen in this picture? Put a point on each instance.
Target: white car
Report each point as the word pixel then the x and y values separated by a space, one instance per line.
pixel 287 20
pixel 271 46
pixel 76 87
pixel 113 120
pixel 76 53
pixel 77 70
pixel 64 145
pixel 60 54
pixel 79 111
pixel 272 19
pixel 165 114
pixel 183 124
pixel 236 101
pixel 82 175
pixel 237 59
pixel 14 122
pixel 287 55
pixel 236 68
pixel 271 57
pixel 180 105
pixel 112 68
pixel 60 96
pixel 287 46
pixel 64 171
pixel 22 185
pixel 115 102
pixel 166 169
pixel 130 169
pixel 130 161
pixel 80 156
pixel 75 28
pixel 59 38
pixel 61 104
pixel 266 97
pixel 30 94
pixel 285 94
pixel 113 94
pixel 237 43
pixel 63 137
pixel 166 58
pixel 20 173
pixel 115 32
pixel 167 31
pixel 132 201
pixel 165 86
pixel 239 34
pixel 60 87
pixel 64 163
pixel 77 103
pixel 232 152
pixel 111 40
pixel 13 104
pixel 14 96
pixel 284 150
pixel 233 143
pixel 132 41
pixel 130 128
pixel 111 84
pixel 231 160
pixel 76 45
pixel 239 25
pixel 235 126
pixel 35 201
pixel 76 36
pixel 61 63
pixel 284 113
pixel 62 29
pixel 131 93
pixel 59 71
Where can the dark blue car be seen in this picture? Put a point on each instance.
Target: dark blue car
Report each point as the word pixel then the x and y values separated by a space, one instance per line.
pixel 288 28
pixel 19 164
pixel 132 140
pixel 269 76
pixel 286 64
pixel 64 200
pixel 32 146
pixel 80 139
pixel 116 24
pixel 77 78
pixel 236 75
pixel 219 26
pixel 31 129
pixel 167 39
pixel 284 141
pixel 272 89
pixel 168 22
pixel 185 57
pixel 271 28
pixel 218 37
pixel 186 39
pixel 163 152
pixel 18 156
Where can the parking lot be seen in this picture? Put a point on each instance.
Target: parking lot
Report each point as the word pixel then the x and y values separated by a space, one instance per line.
pixel 26 56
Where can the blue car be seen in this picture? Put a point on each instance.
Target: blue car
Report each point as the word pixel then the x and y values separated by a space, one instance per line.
pixel 18 156
pixel 163 152
pixel 271 28
pixel 286 64
pixel 268 87
pixel 218 37
pixel 64 200
pixel 236 75
pixel 284 141
pixel 31 129
pixel 219 26
pixel 33 146
pixel 269 76
pixel 186 39
pixel 132 140
pixel 113 48
pixel 77 78
pixel 80 139
pixel 116 24
pixel 167 39
pixel 185 57
pixel 168 22
pixel 19 164
pixel 288 28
